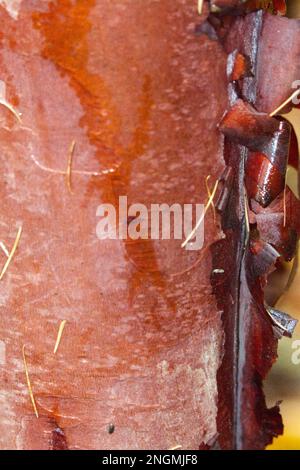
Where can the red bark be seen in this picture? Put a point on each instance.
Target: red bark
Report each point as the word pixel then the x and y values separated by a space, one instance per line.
pixel 141 93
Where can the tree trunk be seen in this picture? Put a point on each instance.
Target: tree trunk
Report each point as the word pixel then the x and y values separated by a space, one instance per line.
pixel 141 94
pixel 160 346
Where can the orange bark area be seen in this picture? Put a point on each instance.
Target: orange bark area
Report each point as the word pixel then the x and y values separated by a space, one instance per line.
pixel 240 67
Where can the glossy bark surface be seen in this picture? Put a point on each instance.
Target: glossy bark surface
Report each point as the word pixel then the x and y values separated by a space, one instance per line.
pixel 244 420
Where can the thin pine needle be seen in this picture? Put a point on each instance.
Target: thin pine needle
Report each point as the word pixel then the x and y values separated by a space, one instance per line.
pixel 200 6
pixel 69 167
pixel 5 103
pixel 176 447
pixel 11 109
pixel 11 254
pixel 4 249
pixel 209 195
pixel 209 202
pixel 59 335
pixel 194 265
pixel 77 172
pixel 29 383
pixel 285 103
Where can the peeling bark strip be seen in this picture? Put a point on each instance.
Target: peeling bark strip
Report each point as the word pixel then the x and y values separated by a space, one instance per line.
pixel 256 152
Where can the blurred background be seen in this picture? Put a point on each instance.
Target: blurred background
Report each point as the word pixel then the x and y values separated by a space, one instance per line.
pixel 283 383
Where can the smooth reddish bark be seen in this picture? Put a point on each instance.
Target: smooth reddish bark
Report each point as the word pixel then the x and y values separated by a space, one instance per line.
pixel 139 92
